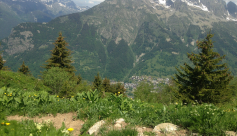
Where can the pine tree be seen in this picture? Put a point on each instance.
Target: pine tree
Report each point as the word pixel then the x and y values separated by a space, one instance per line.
pixel 24 69
pixel 79 79
pixel 206 82
pixel 60 56
pixel 106 85
pixel 97 82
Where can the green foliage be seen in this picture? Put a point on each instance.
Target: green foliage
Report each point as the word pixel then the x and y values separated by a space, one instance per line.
pixel 163 93
pixel 60 55
pixel 209 80
pixel 205 119
pixel 118 89
pixel 20 81
pixel 91 96
pixel 97 82
pixel 24 69
pixel 123 132
pixel 1 60
pixel 30 128
pixel 59 80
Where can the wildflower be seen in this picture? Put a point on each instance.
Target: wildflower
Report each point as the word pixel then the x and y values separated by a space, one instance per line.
pixel 65 131
pixel 30 134
pixel 115 93
pixel 7 124
pixel 58 100
pixel 131 98
pixel 212 113
pixel 207 112
pixel 84 98
pixel 35 95
pixel 2 123
pixel 4 93
pixel 176 103
pixel 119 92
pixel 70 129
pixel 34 99
pixel 57 96
pixel 29 95
pixel 72 96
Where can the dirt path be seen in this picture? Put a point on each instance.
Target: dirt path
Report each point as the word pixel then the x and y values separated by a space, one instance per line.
pixel 67 118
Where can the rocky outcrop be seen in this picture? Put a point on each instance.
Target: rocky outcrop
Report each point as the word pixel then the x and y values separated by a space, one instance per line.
pixel 167 129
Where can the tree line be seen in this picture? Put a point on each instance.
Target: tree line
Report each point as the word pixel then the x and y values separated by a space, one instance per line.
pixel 206 81
pixel 60 77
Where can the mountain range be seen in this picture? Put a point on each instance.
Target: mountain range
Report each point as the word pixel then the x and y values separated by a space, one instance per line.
pixel 14 12
pixel 123 38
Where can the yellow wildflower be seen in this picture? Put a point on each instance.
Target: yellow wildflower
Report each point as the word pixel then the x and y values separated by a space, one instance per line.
pixel 29 95
pixel 83 98
pixel 72 96
pixel 57 96
pixel 2 123
pixel 70 129
pixel 119 92
pixel 4 93
pixel 7 124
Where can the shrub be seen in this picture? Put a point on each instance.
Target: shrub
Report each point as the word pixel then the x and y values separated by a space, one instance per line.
pixel 58 80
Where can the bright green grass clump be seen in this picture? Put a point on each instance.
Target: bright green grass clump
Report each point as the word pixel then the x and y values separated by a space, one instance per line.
pixel 21 81
pixel 29 128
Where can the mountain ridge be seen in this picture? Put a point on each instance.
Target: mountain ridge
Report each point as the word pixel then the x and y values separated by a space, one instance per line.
pixel 122 38
pixel 14 12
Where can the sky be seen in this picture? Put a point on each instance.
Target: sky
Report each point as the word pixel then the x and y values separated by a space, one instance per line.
pixel 92 3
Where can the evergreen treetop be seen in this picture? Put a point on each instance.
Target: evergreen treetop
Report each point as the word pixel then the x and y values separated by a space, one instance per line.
pixel 208 80
pixel 24 69
pixel 60 56
pixel 97 82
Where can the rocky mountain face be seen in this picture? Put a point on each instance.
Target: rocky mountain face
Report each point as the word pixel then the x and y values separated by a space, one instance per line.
pixel 14 12
pixel 122 38
pixel 232 9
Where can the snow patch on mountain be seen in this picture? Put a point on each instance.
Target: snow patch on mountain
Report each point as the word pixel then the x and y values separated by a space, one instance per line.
pixel 160 3
pixel 62 5
pixel 200 6
pixel 231 19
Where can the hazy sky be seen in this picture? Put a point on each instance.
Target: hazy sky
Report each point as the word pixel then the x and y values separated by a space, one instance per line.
pixel 91 3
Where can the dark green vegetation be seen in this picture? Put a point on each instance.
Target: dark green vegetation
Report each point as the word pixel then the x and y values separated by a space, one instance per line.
pixel 24 69
pixel 208 81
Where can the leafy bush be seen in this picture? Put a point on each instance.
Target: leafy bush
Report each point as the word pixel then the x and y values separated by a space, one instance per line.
pixel 59 80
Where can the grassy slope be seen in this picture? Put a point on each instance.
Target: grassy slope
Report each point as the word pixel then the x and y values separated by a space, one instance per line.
pixel 20 81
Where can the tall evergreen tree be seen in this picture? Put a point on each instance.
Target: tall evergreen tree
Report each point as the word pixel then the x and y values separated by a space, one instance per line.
pixel 206 82
pixel 24 69
pixel 60 56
